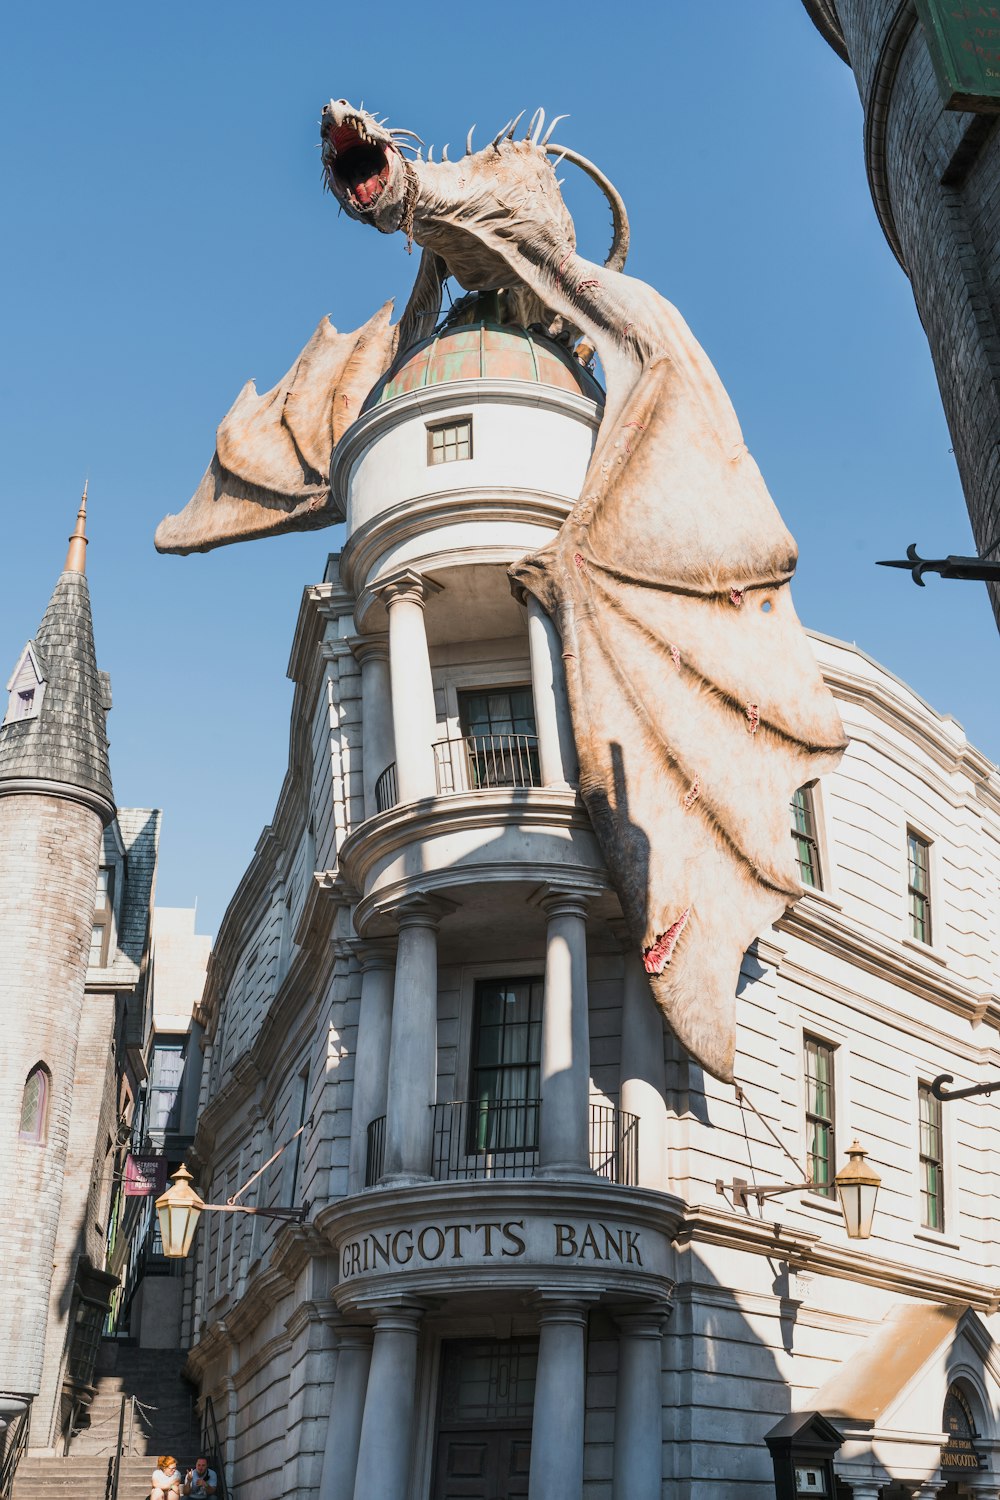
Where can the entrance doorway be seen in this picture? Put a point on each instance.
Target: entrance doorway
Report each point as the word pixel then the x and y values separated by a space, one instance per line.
pixel 484 1425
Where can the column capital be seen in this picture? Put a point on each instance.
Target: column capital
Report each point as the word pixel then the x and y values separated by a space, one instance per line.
pixel 642 1320
pixel 405 585
pixel 556 1305
pixel 400 1315
pixel 365 648
pixel 421 911
pixel 557 900
pixel 353 1336
pixel 374 953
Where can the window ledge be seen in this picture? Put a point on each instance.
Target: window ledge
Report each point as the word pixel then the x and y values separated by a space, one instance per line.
pixel 823 897
pixel 824 1205
pixel 925 950
pixel 936 1238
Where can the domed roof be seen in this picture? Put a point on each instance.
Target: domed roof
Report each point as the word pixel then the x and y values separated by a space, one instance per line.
pixel 484 351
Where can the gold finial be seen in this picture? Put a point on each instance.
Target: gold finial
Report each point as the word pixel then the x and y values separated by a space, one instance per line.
pixel 76 557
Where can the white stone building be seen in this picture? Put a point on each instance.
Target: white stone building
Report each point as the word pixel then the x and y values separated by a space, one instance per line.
pixel 516 1276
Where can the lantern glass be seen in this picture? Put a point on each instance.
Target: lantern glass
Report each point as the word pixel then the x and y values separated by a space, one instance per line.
pixel 857 1187
pixel 178 1211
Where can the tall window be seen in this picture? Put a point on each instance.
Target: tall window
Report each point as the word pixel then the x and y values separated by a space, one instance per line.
pixel 506 1052
pixel 820 1141
pixel 100 932
pixel 499 732
pixel 449 441
pixel 918 859
pixel 931 1160
pixel 166 1077
pixel 803 812
pixel 35 1105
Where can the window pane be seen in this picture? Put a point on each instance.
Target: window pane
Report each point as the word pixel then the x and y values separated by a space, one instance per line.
pixel 918 886
pixel 804 837
pixel 820 1110
pixel 449 443
pixel 931 1160
pixel 32 1125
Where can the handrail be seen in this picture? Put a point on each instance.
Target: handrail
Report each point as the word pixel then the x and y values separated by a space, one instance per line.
pixel 115 1461
pixel 213 1448
pixel 386 789
pixel 481 762
pixel 14 1447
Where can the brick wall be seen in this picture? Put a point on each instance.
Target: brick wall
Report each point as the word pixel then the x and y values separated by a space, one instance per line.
pixel 49 851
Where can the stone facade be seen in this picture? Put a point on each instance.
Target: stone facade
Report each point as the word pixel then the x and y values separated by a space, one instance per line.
pixel 935 181
pixel 557 1261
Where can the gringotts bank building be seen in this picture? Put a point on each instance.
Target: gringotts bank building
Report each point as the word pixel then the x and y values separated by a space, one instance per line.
pixel 602 911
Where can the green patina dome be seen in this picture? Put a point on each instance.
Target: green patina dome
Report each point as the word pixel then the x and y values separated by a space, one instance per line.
pixel 485 351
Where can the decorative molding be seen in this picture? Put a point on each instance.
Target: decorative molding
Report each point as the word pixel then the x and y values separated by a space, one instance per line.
pixel 33 786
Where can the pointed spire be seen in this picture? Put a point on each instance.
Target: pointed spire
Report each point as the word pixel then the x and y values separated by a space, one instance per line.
pixel 76 557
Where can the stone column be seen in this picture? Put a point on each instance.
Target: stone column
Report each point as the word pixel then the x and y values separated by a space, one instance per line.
pixel 384 1455
pixel 638 1465
pixel 414 720
pixel 378 752
pixel 343 1434
pixel 564 1131
pixel 556 746
pixel 556 1471
pixel 371 1052
pixel 643 1074
pixel 412 1085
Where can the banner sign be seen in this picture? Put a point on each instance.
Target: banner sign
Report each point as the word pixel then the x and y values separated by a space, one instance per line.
pixel 963 38
pixel 145 1176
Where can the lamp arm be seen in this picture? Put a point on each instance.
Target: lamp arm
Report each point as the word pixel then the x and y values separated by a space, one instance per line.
pixel 231 1202
pixel 743 1191
pixel 287 1215
pixel 946 1095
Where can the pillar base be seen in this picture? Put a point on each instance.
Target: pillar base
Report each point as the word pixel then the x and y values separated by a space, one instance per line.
pixel 563 1170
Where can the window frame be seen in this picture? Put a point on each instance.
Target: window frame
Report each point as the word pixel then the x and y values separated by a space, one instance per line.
pixel 532 1102
pixel 104 917
pixel 455 423
pixel 826 1191
pixel 928 1159
pixel 40 1134
pixel 809 836
pixel 921 840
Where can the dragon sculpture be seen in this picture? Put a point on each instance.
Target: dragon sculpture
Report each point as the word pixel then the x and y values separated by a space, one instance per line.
pixel 697 705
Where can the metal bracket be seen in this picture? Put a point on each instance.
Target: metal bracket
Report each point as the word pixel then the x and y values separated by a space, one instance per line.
pixel 743 1191
pixel 949 567
pixel 946 1095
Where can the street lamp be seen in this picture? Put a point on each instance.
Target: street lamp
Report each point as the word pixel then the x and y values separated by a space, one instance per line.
pixel 856 1184
pixel 857 1187
pixel 180 1207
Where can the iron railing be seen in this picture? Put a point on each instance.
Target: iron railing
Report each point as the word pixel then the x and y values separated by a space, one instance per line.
pixel 477 1140
pixel 386 790
pixel 212 1448
pixel 13 1445
pixel 375 1154
pixel 477 762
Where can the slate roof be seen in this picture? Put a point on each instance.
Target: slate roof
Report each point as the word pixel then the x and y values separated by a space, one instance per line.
pixel 67 741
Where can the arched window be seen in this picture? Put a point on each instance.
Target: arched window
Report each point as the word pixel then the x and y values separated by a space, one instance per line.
pixel 35 1105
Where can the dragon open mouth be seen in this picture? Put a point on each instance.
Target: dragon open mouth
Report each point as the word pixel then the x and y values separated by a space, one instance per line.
pixel 362 165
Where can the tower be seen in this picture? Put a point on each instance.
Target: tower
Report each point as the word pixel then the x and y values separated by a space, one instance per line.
pixel 55 801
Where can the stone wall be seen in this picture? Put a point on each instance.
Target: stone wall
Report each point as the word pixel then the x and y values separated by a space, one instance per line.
pixel 49 850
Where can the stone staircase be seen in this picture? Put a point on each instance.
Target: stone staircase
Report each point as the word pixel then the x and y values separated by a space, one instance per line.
pixel 161 1420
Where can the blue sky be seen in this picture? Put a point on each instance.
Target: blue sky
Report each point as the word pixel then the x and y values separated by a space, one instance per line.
pixel 165 238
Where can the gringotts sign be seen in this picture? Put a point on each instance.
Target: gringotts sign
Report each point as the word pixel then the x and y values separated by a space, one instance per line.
pixel 697 706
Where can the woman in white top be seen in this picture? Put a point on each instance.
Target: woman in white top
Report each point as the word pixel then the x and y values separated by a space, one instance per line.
pixel 166 1480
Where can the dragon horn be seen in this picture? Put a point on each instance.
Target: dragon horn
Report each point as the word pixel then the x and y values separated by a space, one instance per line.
pixel 619 245
pixel 397 131
pixel 548 134
pixel 430 152
pixel 468 141
pixel 501 133
pixel 537 122
pixel 517 121
pixel 444 151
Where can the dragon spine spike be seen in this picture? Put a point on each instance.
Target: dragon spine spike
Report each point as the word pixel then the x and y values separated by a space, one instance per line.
pixel 537 123
pixel 468 141
pixel 430 152
pixel 559 158
pixel 548 134
pixel 444 151
pixel 517 121
pixel 397 131
pixel 501 133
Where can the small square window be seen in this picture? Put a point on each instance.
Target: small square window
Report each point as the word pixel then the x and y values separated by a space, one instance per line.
pixel 449 441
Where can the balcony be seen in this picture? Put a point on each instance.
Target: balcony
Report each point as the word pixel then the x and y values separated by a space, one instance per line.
pixel 473 763
pixel 481 1141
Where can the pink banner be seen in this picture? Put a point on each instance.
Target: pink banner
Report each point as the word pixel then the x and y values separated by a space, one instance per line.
pixel 145 1175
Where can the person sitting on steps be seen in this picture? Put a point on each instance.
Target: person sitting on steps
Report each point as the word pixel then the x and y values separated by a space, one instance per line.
pixel 201 1480
pixel 166 1479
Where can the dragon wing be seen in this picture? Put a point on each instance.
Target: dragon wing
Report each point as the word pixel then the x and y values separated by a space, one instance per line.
pixel 271 468
pixel 698 708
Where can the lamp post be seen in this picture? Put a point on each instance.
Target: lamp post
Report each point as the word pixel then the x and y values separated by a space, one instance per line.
pixel 857 1186
pixel 180 1207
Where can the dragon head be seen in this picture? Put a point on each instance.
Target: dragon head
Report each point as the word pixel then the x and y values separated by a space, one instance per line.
pixel 363 166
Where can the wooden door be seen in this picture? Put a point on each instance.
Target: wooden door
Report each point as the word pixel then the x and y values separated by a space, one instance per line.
pixel 490 1465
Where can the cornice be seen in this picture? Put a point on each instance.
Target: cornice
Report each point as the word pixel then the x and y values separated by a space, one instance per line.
pixel 823 14
pixel 822 927
pixel 432 399
pixel 34 786
pixel 804 1250
pixel 436 508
